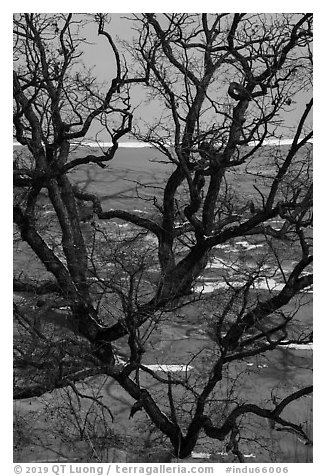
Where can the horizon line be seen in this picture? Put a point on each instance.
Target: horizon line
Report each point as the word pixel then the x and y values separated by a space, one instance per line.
pixel 140 144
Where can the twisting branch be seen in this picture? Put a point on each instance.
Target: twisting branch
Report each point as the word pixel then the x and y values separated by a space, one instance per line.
pixel 273 415
pixel 122 214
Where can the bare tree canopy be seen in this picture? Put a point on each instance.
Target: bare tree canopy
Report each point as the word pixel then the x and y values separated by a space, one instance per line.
pixel 226 85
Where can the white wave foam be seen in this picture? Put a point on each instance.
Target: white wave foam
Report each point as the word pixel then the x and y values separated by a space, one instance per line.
pixel 298 346
pixel 169 367
pixel 203 455
pixel 210 286
pixel 161 367
pixel 200 455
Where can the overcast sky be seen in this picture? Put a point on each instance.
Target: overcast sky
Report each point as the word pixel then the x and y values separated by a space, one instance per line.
pixel 99 55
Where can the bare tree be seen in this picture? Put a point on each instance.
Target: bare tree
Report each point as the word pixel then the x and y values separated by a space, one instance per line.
pixel 227 83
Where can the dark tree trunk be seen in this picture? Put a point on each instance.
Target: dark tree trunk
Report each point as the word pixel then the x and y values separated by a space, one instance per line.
pixel 180 279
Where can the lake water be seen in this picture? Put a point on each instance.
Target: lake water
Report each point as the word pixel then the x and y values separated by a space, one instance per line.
pixel 174 344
